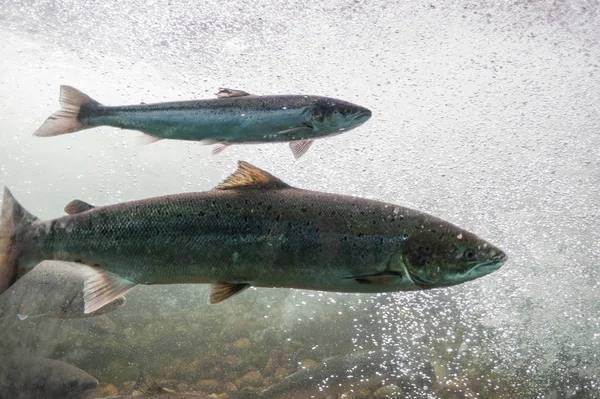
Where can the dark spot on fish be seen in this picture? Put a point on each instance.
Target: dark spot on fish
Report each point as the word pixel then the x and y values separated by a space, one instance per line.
pixel 246 202
pixel 360 234
pixel 202 214
pixel 179 215
pixel 96 264
pixel 332 213
pixel 217 215
pixel 213 203
pixel 419 256
pixel 405 236
pixel 269 207
pixel 317 230
pixel 303 210
pixel 374 222
pixel 228 205
pixel 278 218
pixel 77 261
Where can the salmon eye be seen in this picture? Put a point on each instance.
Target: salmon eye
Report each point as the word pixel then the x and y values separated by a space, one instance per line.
pixel 469 254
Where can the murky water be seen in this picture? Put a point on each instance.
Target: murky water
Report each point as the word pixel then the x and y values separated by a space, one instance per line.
pixel 484 113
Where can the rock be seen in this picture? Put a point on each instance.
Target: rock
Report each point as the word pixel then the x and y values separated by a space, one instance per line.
pixel 270 366
pixel 233 363
pixel 217 373
pixel 109 390
pixel 230 387
pixel 308 363
pixel 242 345
pixel 253 379
pixel 127 386
pixel 389 392
pixel 358 394
pixel 281 372
pixel 208 386
pixel 182 387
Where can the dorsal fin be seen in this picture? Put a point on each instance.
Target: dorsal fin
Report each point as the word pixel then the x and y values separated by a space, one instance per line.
pixel 146 386
pixel 249 176
pixel 226 93
pixel 77 206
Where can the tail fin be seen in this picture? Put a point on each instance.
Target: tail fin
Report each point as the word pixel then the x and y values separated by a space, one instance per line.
pixel 13 218
pixel 65 120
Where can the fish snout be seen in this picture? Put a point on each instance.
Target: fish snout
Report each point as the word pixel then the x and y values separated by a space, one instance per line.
pixel 498 256
pixel 361 116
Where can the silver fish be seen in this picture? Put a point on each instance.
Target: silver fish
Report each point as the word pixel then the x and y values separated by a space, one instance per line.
pixel 251 230
pixel 27 377
pixel 236 117
pixel 52 289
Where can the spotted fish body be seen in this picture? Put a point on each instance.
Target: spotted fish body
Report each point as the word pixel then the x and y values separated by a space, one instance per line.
pixel 234 118
pixel 253 229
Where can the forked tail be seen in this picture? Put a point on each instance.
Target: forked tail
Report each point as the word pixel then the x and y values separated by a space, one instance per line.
pixel 67 119
pixel 12 221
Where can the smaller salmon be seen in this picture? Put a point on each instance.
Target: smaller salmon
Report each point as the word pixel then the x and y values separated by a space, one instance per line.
pixel 235 117
pixel 51 289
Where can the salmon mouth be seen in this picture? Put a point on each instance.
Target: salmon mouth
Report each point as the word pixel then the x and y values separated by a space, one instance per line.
pixel 360 117
pixel 492 265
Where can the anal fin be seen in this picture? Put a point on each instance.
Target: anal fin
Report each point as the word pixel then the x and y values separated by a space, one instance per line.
pixel 101 288
pixel 221 291
pixel 300 147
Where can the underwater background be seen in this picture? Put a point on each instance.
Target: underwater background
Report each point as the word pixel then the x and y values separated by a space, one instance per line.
pixel 486 114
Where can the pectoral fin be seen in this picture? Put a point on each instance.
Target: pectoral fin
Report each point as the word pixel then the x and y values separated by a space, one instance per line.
pixel 218 149
pixel 300 147
pixel 221 291
pixel 382 278
pixel 145 139
pixel 101 288
pixel 226 93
